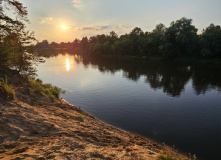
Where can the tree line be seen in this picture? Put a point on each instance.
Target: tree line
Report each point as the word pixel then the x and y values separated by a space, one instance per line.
pixel 180 39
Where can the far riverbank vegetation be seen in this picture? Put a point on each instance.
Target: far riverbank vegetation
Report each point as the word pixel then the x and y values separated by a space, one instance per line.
pixel 180 39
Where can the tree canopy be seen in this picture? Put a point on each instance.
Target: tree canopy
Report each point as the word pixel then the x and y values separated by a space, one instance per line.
pixel 180 39
pixel 15 41
pixel 210 41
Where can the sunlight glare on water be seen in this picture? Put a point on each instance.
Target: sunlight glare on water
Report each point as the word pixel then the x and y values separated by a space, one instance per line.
pixel 68 66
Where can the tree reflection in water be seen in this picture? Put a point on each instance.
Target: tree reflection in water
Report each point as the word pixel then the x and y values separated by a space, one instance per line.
pixel 168 75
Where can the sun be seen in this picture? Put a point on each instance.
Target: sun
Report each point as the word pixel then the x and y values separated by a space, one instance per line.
pixel 64 27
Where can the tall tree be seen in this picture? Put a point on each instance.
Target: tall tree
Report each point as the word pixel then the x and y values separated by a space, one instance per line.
pixel 210 41
pixel 135 40
pixel 15 50
pixel 156 39
pixel 181 37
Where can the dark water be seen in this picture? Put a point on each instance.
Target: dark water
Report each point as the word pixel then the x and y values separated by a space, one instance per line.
pixel 175 103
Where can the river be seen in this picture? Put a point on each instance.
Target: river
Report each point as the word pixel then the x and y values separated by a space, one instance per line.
pixel 178 104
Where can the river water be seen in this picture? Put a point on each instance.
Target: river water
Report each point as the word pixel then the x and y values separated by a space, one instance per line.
pixel 178 104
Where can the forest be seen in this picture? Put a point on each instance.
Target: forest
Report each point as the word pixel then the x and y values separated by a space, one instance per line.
pixel 180 39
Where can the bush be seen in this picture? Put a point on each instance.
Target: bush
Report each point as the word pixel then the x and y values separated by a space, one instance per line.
pixel 46 90
pixel 37 86
pixel 52 97
pixel 6 89
pixel 55 91
pixel 165 157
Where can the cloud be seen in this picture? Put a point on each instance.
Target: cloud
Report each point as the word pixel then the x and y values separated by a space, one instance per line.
pixel 121 28
pixel 46 20
pixel 93 28
pixel 78 3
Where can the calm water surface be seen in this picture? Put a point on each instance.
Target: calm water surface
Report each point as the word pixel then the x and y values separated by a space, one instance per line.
pixel 179 104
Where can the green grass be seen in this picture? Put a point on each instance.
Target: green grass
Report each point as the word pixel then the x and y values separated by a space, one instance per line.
pixel 81 117
pixel 47 90
pixel 165 157
pixel 52 97
pixel 7 89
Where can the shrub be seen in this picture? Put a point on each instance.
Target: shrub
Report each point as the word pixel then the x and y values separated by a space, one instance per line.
pixel 52 97
pixel 37 85
pixel 55 91
pixel 47 90
pixel 165 157
pixel 6 89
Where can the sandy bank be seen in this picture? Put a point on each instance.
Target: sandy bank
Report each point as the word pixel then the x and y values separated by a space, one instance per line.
pixel 62 131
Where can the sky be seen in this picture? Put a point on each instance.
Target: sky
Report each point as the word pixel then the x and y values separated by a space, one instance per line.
pixel 81 18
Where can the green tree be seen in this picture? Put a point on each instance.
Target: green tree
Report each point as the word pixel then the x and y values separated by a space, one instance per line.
pixel 156 39
pixel 101 39
pixel 135 40
pixel 15 48
pixel 84 45
pixel 210 41
pixel 181 38
pixel 44 45
pixel 112 37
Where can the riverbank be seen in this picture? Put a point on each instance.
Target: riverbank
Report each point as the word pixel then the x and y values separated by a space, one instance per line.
pixel 34 127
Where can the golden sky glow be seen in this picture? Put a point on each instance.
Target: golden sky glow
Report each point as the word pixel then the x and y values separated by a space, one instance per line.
pixel 70 19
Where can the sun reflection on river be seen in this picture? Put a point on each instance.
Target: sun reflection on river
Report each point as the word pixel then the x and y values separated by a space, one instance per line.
pixel 67 64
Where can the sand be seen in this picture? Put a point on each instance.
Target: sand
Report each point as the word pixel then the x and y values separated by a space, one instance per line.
pixel 62 131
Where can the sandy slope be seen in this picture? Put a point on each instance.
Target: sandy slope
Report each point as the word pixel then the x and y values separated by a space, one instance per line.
pixel 62 131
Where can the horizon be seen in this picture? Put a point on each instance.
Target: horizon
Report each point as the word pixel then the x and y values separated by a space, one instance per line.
pixel 63 21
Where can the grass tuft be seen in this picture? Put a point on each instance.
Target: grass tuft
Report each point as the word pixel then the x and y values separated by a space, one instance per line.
pixel 7 89
pixel 47 90
pixel 81 117
pixel 165 157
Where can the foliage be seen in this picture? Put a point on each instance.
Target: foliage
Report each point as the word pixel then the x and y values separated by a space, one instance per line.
pixel 165 157
pixel 210 41
pixel 168 154
pixel 15 48
pixel 46 90
pixel 7 90
pixel 180 39
pixel 81 117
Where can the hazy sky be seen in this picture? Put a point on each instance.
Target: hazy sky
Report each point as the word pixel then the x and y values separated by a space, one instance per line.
pixel 92 17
